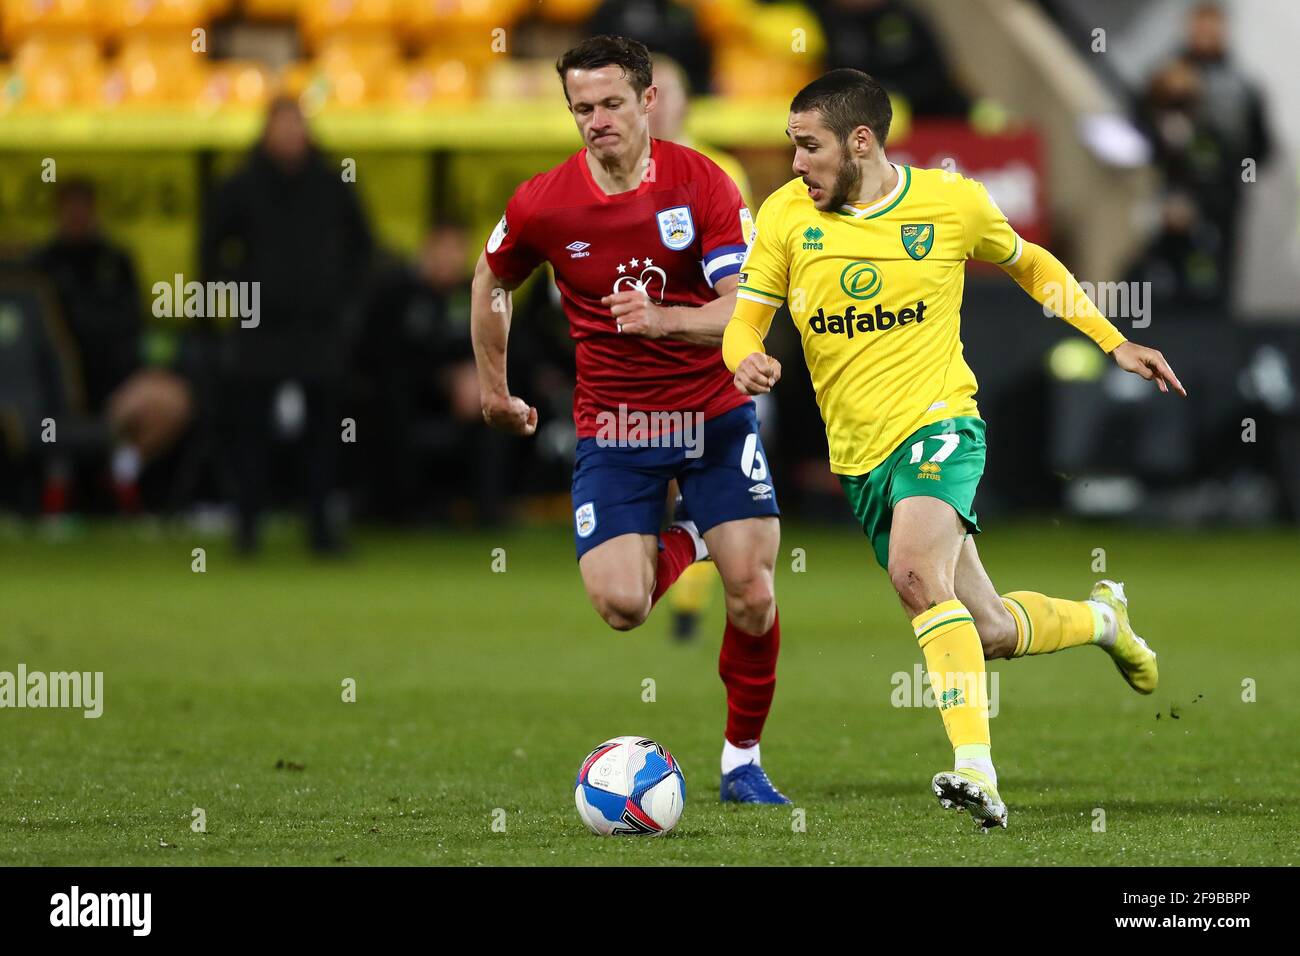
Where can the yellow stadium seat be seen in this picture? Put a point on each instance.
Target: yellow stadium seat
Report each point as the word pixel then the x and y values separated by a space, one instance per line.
pixel 126 17
pixel 469 21
pixel 20 19
pixel 522 80
pixel 722 19
pixel 431 80
pixel 271 9
pixel 57 71
pixel 354 70
pixel 737 73
pixel 156 70
pixel 236 84
pixel 568 11
pixel 323 18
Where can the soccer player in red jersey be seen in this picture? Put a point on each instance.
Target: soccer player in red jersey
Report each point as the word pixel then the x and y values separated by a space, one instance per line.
pixel 646 239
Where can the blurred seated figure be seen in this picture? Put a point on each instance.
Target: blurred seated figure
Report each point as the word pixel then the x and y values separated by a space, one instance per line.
pixel 147 409
pixel 97 289
pixel 287 224
pixel 413 369
pixel 894 43
pixel 1184 263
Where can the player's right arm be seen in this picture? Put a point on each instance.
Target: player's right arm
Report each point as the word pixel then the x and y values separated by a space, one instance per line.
pixel 490 310
pixel 764 278
pixel 505 262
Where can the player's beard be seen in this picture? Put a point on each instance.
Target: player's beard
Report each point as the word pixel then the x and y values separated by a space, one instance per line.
pixel 848 182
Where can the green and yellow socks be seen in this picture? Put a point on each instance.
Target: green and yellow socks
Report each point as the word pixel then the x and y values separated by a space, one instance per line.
pixel 1045 624
pixel 954 658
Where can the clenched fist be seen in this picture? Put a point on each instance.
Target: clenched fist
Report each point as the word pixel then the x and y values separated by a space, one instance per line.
pixel 757 373
pixel 510 414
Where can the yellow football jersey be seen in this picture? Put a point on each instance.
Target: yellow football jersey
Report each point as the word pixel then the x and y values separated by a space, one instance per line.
pixel 876 295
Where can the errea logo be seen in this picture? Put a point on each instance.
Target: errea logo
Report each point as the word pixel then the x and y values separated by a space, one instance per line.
pixel 812 238
pixel 578 250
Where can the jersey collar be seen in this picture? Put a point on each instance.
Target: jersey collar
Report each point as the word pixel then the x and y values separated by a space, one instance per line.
pixel 885 203
pixel 600 194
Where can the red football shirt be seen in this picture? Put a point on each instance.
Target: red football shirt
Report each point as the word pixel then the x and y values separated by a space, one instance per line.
pixel 674 236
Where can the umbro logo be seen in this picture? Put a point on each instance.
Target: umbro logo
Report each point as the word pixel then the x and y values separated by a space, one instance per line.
pixel 761 491
pixel 578 250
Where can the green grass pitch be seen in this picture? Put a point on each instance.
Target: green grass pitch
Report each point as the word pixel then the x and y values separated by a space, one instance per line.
pixel 479 690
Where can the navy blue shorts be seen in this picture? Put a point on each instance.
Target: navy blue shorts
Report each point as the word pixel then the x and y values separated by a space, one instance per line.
pixel 622 490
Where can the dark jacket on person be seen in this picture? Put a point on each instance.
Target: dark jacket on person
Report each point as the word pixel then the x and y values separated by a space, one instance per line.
pixel 303 236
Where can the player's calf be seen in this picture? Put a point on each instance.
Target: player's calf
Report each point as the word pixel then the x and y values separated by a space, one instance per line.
pixel 997 629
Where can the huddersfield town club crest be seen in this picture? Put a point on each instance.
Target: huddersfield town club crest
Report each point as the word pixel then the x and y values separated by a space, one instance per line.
pixel 584 519
pixel 676 228
pixel 918 239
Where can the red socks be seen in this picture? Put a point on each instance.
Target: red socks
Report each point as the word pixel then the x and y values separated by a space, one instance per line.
pixel 676 554
pixel 747 665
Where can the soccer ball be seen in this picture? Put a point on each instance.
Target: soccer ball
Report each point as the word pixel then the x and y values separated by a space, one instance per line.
pixel 630 786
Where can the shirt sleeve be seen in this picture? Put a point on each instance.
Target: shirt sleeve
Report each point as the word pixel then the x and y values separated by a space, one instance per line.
pixel 989 237
pixel 510 255
pixel 722 227
pixel 765 275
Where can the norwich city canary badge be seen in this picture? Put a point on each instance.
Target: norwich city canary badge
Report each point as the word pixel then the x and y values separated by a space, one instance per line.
pixel 918 239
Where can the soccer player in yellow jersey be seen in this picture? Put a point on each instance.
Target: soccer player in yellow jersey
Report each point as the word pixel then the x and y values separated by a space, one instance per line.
pixel 870 257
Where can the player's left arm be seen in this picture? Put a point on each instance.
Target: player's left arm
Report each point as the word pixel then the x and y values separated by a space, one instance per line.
pixel 699 325
pixel 990 238
pixel 1047 280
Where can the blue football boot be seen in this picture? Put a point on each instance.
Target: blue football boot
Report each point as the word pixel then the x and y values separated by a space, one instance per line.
pixel 748 783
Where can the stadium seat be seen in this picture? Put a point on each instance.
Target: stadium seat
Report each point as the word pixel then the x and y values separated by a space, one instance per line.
pixel 746 71
pixel 52 72
pixel 353 70
pixel 270 9
pixel 521 80
pixel 21 19
pixel 128 18
pixel 156 70
pixel 327 18
pixel 237 84
pixel 462 27
pixel 435 80
pixel 719 19
pixel 568 11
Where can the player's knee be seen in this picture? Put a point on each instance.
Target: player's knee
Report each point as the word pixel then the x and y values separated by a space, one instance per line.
pixel 622 609
pixel 918 586
pixel 751 603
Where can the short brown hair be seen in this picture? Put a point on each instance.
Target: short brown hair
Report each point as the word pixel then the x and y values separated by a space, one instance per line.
pixel 595 52
pixel 847 99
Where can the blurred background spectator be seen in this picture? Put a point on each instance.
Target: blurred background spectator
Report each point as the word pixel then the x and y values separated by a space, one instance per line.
pixel 288 222
pixel 417 390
